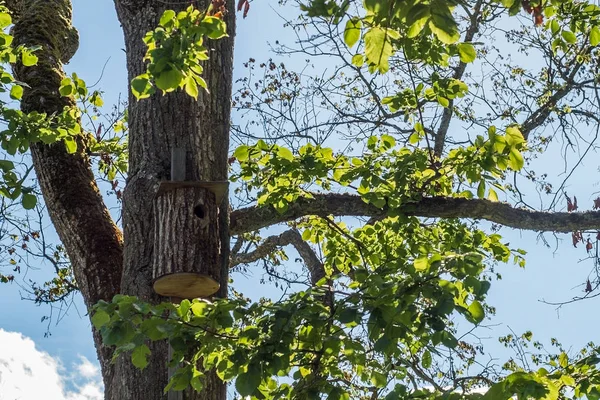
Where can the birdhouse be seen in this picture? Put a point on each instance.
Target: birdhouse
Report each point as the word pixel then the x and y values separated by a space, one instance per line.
pixel 187 247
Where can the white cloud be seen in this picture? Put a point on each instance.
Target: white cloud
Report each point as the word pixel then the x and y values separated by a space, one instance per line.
pixel 27 373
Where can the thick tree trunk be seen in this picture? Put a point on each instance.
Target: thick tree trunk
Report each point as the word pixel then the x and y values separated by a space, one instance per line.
pixel 82 221
pixel 156 125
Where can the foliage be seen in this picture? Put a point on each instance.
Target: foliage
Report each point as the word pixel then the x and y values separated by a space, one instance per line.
pixel 394 293
pixel 396 289
pixel 175 51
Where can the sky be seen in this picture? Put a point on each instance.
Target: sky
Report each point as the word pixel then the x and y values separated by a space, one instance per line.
pixel 66 359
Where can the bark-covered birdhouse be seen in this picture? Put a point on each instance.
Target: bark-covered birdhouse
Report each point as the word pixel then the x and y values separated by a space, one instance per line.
pixel 187 249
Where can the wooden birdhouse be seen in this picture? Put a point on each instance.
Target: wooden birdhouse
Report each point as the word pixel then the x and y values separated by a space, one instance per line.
pixel 187 249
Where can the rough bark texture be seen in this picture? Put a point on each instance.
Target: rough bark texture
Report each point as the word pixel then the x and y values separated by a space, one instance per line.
pixel 83 223
pixel 155 126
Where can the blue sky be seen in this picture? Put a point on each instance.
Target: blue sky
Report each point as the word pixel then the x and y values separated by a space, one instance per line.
pixel 548 275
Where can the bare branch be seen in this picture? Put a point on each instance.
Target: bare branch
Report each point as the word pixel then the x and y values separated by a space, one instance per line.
pixel 293 237
pixel 253 218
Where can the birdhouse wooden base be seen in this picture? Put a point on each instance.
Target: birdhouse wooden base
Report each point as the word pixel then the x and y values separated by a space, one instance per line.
pixel 185 285
pixel 187 248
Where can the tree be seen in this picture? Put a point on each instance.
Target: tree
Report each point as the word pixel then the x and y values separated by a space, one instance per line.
pixel 385 296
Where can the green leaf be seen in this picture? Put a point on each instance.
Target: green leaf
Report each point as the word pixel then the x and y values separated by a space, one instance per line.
pixel 5 20
pixel 349 316
pixel 421 264
pixel 378 48
pixel 358 60
pixel 285 153
pixel 196 382
pixel 141 87
pixel 191 88
pixel 169 80
pixel 595 36
pixel 139 356
pixel 492 195
pixel 514 136
pixel 242 153
pixel 476 311
pixel 70 144
pixel 466 52
pixel 100 318
pixel 569 36
pixel 449 340
pixel 28 201
pixel 167 16
pixel 417 18
pixel 444 27
pixel 28 59
pixel 66 90
pixel 426 360
pixel 248 382
pixel 352 31
pixel 444 102
pixel 16 92
pixel 200 308
pixel 515 159
pixel 563 360
pixel 216 27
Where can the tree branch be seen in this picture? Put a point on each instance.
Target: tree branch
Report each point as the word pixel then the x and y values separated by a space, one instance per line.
pixel 293 237
pixel 254 218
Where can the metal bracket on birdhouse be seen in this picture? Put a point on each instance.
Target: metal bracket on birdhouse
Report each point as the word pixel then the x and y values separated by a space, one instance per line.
pixel 178 176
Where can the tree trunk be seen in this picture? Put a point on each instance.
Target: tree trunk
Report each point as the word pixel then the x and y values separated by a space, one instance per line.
pixel 104 263
pixel 156 125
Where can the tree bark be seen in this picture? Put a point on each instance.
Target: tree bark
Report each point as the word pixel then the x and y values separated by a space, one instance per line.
pixel 75 205
pixel 156 125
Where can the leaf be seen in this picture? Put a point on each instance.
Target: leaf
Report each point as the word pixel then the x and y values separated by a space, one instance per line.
pixel 349 315
pixel 417 19
pixel 492 195
pixel 476 311
pixel 595 36
pixel 28 201
pixel 449 340
pixel 242 153
pixel 216 27
pixel 444 102
pixel 421 264
pixel 169 80
pixel 248 382
pixel 28 59
pixel 358 60
pixel 167 16
pixel 5 20
pixel 569 36
pixel 426 360
pixel 100 318
pixel 514 136
pixel 16 92
pixel 515 159
pixel 141 87
pixel 285 153
pixel 199 308
pixel 563 360
pixel 378 48
pixel 444 27
pixel 352 31
pixel 466 52
pixel 191 88
pixel 197 383
pixel 139 356
pixel 66 90
pixel 70 144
